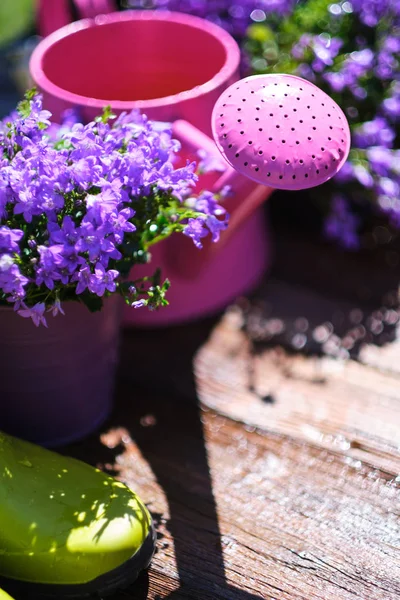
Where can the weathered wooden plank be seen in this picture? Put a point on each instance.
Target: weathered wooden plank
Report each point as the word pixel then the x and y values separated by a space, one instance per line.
pixel 295 522
pixel 316 532
pixel 383 359
pixel 340 405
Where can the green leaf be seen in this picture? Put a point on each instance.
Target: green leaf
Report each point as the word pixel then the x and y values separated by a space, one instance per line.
pixel 106 115
pixel 24 107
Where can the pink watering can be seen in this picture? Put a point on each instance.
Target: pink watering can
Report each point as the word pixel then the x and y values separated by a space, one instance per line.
pixel 275 131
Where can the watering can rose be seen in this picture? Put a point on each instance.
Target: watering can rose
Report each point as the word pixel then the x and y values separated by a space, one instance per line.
pixel 281 131
pixel 81 204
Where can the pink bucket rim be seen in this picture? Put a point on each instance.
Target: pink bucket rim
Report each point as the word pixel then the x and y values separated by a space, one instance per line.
pixel 230 66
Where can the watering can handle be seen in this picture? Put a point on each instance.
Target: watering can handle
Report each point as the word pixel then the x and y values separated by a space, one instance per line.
pixel 53 14
pixel 240 207
pixel 246 197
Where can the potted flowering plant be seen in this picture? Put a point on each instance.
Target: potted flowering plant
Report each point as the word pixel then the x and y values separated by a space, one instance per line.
pixel 79 206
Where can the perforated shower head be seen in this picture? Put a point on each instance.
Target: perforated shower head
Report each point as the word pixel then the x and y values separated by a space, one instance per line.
pixel 281 131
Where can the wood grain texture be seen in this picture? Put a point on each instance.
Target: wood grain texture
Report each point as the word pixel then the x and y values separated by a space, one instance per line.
pixel 271 474
pixel 340 405
pixel 283 519
pixel 278 512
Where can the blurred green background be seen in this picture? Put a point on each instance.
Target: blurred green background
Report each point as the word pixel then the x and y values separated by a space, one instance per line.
pixel 17 26
pixel 16 19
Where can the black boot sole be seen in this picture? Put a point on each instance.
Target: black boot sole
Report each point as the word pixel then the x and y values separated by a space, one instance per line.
pixel 103 586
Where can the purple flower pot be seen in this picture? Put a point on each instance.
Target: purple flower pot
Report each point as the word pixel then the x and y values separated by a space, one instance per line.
pixel 56 384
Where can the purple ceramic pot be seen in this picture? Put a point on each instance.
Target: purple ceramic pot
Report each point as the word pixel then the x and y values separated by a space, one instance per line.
pixel 56 384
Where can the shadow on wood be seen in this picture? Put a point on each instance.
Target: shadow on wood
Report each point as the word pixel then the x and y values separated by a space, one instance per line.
pixel 157 407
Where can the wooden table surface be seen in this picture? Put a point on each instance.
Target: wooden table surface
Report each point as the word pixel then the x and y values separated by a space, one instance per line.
pixel 266 442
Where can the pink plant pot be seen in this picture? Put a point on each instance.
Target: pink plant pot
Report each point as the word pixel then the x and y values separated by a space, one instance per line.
pixel 172 67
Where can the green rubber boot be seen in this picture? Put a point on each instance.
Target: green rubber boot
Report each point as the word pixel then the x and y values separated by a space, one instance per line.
pixel 67 530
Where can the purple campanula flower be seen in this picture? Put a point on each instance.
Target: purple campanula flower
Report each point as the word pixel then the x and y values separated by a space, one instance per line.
pixel 56 308
pixel 179 180
pixel 392 44
pixel 304 70
pixel 362 174
pixel 12 281
pixel 298 49
pixel 215 226
pixel 49 200
pixel 71 262
pixel 94 243
pixel 363 58
pixel 119 224
pixel 196 230
pixel 336 80
pixel 28 126
pixel 36 313
pixel 69 118
pixel 325 50
pixel 102 280
pixel 208 204
pixel 26 204
pixel 386 64
pixel 37 113
pixel 84 171
pixel 391 104
pixel 341 224
pixel 50 261
pixel 67 234
pixel 391 107
pixel 346 174
pixel 83 278
pixel 138 303
pixel 380 159
pixel 104 203
pixel 210 162
pixel 372 11
pixel 9 239
pixel 388 187
pixel 374 133
pixel 86 143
